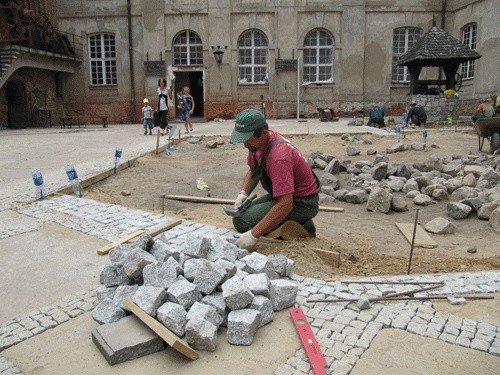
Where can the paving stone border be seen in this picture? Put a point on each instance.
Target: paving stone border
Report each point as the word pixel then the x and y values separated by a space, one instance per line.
pixel 343 331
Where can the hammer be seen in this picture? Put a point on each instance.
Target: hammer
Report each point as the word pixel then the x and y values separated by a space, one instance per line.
pixel 236 211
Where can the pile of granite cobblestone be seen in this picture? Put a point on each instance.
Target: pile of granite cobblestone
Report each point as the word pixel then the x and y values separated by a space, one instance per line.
pixel 195 286
pixel 470 184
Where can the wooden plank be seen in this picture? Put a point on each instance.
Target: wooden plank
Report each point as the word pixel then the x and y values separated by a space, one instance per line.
pixel 160 228
pixel 107 248
pixel 168 336
pixel 422 239
pixel 327 255
pixel 190 198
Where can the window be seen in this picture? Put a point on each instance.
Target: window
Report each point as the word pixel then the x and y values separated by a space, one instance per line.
pixel 469 36
pixel 403 39
pixel 102 56
pixel 318 57
pixel 252 58
pixel 188 49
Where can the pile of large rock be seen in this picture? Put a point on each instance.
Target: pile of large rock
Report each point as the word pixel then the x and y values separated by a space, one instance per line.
pixel 195 286
pixel 470 183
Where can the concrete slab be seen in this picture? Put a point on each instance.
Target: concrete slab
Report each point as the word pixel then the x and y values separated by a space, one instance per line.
pixel 125 340
pixel 68 349
pixel 395 352
pixel 43 266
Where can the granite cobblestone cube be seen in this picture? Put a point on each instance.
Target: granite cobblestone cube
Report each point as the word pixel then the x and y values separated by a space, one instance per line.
pixel 201 335
pixel 282 293
pixel 242 326
pixel 202 311
pixel 173 316
pixel 184 293
pixel 236 295
pixel 149 298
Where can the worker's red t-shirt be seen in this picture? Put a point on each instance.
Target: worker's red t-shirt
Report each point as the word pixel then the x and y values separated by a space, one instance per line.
pixel 287 169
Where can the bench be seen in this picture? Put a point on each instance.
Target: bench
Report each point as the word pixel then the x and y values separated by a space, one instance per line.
pixel 77 117
pixel 488 128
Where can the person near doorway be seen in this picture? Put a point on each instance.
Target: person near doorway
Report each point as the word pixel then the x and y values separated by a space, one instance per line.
pixel 164 92
pixel 147 115
pixel 416 115
pixel 187 103
pixel 291 185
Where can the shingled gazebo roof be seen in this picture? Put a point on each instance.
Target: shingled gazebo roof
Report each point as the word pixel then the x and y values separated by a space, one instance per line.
pixel 437 48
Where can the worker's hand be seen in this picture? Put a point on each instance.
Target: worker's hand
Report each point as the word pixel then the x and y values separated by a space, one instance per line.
pixel 246 241
pixel 242 196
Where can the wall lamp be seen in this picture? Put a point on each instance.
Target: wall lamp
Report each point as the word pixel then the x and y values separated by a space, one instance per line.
pixel 218 53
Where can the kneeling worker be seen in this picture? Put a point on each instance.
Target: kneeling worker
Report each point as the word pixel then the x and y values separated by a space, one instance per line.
pixel 283 172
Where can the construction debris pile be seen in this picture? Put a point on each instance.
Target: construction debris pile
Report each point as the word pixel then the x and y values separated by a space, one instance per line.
pixel 471 183
pixel 196 286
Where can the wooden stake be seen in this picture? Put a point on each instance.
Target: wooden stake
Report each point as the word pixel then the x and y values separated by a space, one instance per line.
pixel 327 252
pixel 158 142
pixel 412 242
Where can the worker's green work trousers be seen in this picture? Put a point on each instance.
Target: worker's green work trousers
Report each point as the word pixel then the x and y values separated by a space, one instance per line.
pixel 304 208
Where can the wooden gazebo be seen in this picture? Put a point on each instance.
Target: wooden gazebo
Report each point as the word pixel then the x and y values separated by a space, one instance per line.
pixel 436 48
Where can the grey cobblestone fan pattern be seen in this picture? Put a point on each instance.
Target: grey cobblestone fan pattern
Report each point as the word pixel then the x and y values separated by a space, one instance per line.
pixel 342 330
pixel 106 221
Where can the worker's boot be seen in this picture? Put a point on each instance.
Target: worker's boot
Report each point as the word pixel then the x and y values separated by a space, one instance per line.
pixel 150 132
pixel 145 132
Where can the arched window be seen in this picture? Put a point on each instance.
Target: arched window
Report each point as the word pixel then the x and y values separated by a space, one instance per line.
pixel 318 57
pixel 253 58
pixel 188 49
pixel 469 38
pixel 402 40
pixel 102 59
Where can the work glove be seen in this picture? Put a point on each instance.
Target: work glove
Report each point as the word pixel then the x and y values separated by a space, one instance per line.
pixel 242 196
pixel 246 241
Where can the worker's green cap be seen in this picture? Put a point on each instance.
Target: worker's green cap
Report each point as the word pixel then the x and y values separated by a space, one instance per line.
pixel 483 100
pixel 247 121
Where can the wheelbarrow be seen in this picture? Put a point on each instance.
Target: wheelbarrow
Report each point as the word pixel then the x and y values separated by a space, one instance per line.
pixel 488 128
pixel 325 114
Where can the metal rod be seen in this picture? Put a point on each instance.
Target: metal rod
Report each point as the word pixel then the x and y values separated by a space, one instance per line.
pixel 382 299
pixel 390 282
pixel 412 242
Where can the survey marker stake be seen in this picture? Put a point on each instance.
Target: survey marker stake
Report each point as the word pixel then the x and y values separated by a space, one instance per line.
pixel 311 346
pixel 412 243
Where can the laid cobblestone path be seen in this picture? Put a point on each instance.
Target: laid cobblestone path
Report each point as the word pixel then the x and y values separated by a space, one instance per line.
pixel 344 332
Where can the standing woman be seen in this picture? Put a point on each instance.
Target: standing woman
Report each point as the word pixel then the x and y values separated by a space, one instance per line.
pixel 162 106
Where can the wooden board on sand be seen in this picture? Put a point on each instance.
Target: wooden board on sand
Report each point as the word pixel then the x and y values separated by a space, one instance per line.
pixel 422 239
pixel 160 228
pixel 168 336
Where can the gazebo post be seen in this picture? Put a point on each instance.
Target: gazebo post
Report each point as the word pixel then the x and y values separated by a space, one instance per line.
pixel 414 74
pixel 449 71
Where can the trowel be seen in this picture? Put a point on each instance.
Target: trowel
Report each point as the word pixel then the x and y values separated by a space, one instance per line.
pixel 236 211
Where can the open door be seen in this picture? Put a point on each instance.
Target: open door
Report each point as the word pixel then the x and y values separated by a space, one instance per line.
pixel 194 80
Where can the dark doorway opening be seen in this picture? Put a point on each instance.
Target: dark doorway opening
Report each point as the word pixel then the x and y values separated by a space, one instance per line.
pixel 17 106
pixel 194 80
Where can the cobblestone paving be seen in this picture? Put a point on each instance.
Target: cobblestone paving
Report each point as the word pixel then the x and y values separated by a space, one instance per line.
pixel 343 331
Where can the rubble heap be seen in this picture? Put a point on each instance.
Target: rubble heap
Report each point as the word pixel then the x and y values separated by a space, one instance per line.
pixel 470 183
pixel 196 286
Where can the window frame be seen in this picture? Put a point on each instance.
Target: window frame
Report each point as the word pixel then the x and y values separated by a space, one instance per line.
pixel 318 68
pixel 190 50
pixel 467 69
pixel 253 69
pixel 103 66
pixel 397 70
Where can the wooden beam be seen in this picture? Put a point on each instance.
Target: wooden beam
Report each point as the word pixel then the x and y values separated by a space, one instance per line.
pixel 107 248
pixel 160 228
pixel 168 336
pixel 326 255
pixel 190 198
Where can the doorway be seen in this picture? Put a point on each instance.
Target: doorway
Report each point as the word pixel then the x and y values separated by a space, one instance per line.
pixel 17 106
pixel 194 80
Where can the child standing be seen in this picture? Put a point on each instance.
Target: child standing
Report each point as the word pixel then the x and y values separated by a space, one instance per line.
pixel 187 108
pixel 147 115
